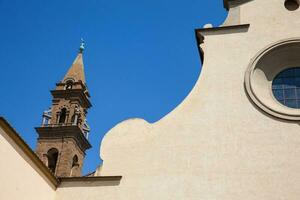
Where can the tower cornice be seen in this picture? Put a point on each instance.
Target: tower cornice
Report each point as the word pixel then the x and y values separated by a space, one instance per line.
pixel 58 131
pixel 79 94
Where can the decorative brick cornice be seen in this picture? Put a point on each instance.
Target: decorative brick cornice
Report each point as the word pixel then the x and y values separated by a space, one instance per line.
pixel 55 132
pixel 73 94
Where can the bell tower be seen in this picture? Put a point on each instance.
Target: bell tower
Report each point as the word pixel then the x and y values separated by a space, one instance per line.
pixel 63 135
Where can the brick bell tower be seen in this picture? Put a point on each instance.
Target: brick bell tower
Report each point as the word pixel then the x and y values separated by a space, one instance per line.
pixel 63 135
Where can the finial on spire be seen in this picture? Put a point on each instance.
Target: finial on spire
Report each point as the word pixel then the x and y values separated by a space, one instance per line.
pixel 81 48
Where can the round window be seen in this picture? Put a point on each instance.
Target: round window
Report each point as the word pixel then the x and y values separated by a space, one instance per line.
pixel 272 80
pixel 286 87
pixel 291 5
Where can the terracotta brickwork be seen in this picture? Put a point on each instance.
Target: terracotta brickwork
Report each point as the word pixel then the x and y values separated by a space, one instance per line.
pixel 67 149
pixel 63 134
pixel 71 106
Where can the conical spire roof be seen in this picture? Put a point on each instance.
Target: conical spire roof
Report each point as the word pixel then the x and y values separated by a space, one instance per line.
pixel 76 71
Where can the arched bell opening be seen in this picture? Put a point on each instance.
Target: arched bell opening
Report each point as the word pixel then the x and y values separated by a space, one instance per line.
pixel 52 156
pixel 62 116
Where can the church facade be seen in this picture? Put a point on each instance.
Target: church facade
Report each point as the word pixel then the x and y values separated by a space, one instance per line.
pixel 235 136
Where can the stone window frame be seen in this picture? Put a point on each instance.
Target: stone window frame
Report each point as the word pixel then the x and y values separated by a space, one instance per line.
pixel 259 77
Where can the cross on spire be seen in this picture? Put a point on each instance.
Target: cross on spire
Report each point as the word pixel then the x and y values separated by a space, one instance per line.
pixel 76 71
pixel 82 44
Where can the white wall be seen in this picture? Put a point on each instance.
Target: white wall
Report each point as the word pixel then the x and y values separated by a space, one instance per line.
pixel 89 190
pixel 216 144
pixel 19 180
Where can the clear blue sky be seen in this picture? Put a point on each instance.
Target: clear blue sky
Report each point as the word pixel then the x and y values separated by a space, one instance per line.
pixel 141 58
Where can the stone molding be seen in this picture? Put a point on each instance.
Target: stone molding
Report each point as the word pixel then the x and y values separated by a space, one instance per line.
pixel 259 87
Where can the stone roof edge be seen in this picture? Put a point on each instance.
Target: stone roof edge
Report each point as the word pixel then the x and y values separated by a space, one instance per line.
pixel 221 28
pixel 90 179
pixel 225 4
pixel 229 3
pixel 11 132
pixel 200 37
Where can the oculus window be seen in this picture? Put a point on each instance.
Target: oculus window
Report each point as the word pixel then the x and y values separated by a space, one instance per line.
pixel 272 80
pixel 286 87
pixel 291 5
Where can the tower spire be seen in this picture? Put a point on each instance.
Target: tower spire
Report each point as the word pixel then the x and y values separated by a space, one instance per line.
pixel 63 134
pixel 76 71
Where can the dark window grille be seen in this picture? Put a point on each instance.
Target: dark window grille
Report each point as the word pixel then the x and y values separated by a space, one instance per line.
pixel 286 87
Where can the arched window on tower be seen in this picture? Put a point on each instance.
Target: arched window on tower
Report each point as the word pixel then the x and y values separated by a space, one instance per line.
pixel 62 116
pixel 52 156
pixel 75 167
pixel 69 85
pixel 75 161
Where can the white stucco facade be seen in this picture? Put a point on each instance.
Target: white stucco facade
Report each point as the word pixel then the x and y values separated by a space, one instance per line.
pixel 20 178
pixel 218 144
